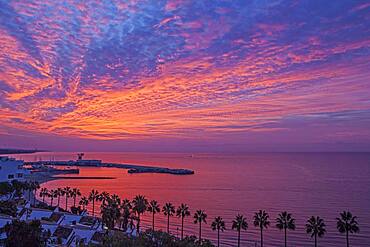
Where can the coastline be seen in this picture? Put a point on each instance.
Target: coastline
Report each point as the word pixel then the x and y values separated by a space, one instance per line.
pixel 44 177
pixel 5 151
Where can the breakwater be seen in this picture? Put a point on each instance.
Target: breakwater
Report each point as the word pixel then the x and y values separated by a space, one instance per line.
pixel 132 169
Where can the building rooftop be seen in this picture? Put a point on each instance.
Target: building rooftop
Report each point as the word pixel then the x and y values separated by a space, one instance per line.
pixel 63 232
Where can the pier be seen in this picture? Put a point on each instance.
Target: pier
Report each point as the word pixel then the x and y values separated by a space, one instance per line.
pixel 132 169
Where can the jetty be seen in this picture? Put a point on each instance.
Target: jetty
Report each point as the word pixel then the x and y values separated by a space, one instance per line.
pixel 132 169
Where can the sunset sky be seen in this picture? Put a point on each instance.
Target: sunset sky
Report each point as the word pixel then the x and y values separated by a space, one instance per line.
pixel 182 75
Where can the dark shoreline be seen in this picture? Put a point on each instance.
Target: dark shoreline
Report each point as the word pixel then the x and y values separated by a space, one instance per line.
pixel 85 177
pixel 18 151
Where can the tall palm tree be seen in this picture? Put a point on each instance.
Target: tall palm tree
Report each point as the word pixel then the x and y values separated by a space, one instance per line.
pixel 285 222
pixel 316 227
pixel 239 223
pixel 44 192
pixel 261 220
pixel 153 208
pixel 59 193
pixel 93 196
pixel 50 195
pixel 67 193
pixel 53 194
pixel 74 193
pixel 115 199
pixel 168 210
pixel 103 197
pixel 84 201
pixel 110 211
pixel 182 211
pixel 347 223
pixel 219 225
pixel 199 217
pixel 126 213
pixel 28 187
pixel 140 205
pixel 35 187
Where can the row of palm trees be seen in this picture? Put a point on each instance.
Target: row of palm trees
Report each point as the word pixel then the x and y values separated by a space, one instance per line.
pixel 315 226
pixel 19 188
pixel 67 192
pixel 114 210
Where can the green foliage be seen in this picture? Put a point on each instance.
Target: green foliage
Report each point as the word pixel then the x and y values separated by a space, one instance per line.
pixel 110 211
pixel 152 239
pixel 5 188
pixel 23 234
pixel 8 208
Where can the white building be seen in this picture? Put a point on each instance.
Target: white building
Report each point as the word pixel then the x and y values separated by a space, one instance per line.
pixel 11 169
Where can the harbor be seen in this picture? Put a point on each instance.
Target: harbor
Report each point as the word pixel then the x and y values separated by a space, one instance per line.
pixel 80 162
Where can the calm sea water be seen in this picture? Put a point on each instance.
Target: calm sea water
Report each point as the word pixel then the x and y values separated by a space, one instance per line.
pixel 304 184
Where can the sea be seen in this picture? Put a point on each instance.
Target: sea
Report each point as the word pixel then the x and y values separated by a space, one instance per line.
pixel 304 184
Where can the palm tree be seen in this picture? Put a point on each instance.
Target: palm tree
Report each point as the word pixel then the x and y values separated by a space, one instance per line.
pixel 140 205
pixel 261 220
pixel 50 195
pixel 285 222
pixel 239 223
pixel 35 186
pixel 316 227
pixel 347 223
pixel 199 217
pixel 53 194
pixel 43 193
pixel 67 193
pixel 84 201
pixel 110 211
pixel 59 193
pixel 74 193
pixel 153 208
pixel 103 197
pixel 182 211
pixel 126 213
pixel 28 186
pixel 93 196
pixel 219 225
pixel 168 209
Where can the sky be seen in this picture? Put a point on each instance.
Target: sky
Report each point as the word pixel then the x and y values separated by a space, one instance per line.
pixel 179 75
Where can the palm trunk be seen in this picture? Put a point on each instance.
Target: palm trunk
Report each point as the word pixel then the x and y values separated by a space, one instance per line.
pixel 168 224
pixel 58 201
pixel 218 237
pixel 182 228
pixel 66 203
pixel 347 238
pixel 315 240
pixel 93 207
pixel 51 202
pixel 34 197
pixel 153 221
pixel 285 240
pixel 200 232
pixel 43 199
pixel 239 238
pixel 74 201
pixel 138 224
pixel 261 238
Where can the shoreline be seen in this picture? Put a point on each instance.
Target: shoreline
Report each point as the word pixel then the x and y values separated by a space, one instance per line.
pixel 44 177
pixel 6 151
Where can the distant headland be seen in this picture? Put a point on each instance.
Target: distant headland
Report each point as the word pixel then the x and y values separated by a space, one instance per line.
pixel 19 151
